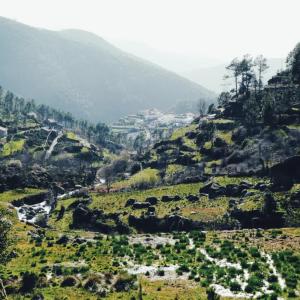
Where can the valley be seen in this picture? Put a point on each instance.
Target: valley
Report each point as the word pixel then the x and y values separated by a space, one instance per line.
pixel 203 203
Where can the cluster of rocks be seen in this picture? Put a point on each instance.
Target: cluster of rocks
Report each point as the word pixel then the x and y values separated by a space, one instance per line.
pixel 170 223
pixel 97 220
pixel 150 202
pixel 213 189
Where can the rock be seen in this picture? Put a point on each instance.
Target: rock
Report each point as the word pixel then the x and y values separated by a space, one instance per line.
pixel 218 142
pixel 140 205
pixel 233 190
pixel 151 209
pixel 130 202
pixel 152 200
pixel 78 202
pixel 192 198
pixel 213 190
pixel 286 173
pixel 261 186
pixel 63 240
pixel 79 241
pixel 94 219
pixel 170 223
pixel 170 198
pixel 295 200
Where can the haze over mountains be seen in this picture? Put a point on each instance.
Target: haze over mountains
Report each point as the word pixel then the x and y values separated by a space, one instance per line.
pixel 207 71
pixel 77 71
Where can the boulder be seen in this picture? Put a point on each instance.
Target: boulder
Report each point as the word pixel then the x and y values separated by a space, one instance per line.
pixel 140 205
pixel 169 223
pixel 286 173
pixel 192 198
pixel 152 200
pixel 167 198
pixel 130 202
pixel 213 190
pixel 151 210
pixel 261 186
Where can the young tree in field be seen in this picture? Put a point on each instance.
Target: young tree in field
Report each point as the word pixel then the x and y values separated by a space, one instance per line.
pixel 261 63
pixel 202 107
pixel 107 173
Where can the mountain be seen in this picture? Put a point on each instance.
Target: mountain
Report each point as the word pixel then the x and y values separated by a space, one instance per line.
pixel 212 77
pixel 80 72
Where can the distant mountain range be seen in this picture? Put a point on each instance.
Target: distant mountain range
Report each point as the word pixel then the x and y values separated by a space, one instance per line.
pixel 80 72
pixel 206 71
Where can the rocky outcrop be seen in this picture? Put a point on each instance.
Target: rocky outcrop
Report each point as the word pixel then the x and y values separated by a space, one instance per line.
pixel 94 219
pixel 286 173
pixel 167 198
pixel 151 224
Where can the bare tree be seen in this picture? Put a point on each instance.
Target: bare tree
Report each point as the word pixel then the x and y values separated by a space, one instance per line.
pixel 261 63
pixel 107 173
pixel 202 107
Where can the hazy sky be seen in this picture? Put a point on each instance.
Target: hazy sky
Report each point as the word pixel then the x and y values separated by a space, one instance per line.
pixel 219 29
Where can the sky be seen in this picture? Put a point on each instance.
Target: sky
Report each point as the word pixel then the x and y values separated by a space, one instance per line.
pixel 217 29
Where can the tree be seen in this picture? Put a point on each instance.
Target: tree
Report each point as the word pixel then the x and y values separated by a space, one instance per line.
pixel 261 63
pixel 139 143
pixel 224 99
pixel 251 109
pixel 202 106
pixel 293 62
pixel 107 173
pixel 234 67
pixel 268 113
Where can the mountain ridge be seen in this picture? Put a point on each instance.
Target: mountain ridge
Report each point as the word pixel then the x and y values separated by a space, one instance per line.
pixel 86 75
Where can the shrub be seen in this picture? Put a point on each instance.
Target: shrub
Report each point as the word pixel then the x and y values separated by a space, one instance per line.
pixel 29 281
pixel 235 286
pixel 69 281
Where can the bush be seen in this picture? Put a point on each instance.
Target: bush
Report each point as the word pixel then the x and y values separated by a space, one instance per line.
pixel 235 286
pixel 124 282
pixel 29 281
pixel 69 281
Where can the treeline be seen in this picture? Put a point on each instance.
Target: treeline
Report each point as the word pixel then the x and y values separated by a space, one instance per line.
pixel 17 111
pixel 253 102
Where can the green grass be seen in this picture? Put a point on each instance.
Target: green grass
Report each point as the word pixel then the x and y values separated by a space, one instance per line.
pixel 182 131
pixel 222 121
pixel 12 147
pixel 72 136
pixel 147 177
pixel 225 135
pixel 9 196
pixel 173 169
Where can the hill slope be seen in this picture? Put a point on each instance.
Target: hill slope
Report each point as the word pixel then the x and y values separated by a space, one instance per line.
pixel 79 72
